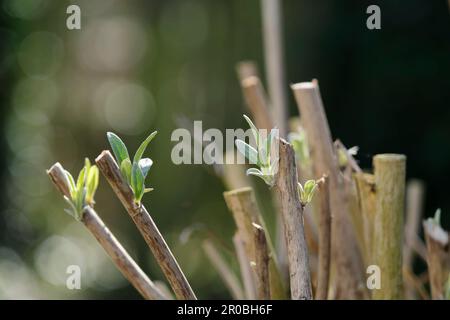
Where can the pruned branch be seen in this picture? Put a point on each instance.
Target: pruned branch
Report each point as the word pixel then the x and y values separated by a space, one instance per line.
pixel 286 188
pixel 438 257
pixel 389 171
pixel 261 265
pixel 323 274
pixel 244 208
pixel 146 226
pixel 123 261
pixel 345 251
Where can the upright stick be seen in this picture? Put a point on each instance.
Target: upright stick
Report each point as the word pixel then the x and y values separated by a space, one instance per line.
pixel 144 222
pixel 345 251
pixel 389 170
pixel 261 263
pixel 415 191
pixel 126 265
pixel 438 257
pixel 286 187
pixel 244 267
pixel 273 54
pixel 323 275
pixel 242 204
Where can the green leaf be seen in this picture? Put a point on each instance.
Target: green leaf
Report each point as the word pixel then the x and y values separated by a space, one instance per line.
pixel 137 182
pixel 72 210
pixel 125 169
pixel 148 190
pixel 145 165
pixel 81 178
pixel 91 184
pixel 118 147
pixel 254 129
pixel 309 186
pixel 140 151
pixel 72 186
pixel 248 151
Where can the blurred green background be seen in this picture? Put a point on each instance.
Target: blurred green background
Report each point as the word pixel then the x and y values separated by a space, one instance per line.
pixel 137 66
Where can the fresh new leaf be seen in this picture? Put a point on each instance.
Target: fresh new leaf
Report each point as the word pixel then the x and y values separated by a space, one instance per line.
pixel 140 151
pixel 81 178
pixel 247 151
pixel 118 147
pixel 137 182
pixel 254 172
pixel 72 186
pixel 145 165
pixel 91 184
pixel 254 129
pixel 125 169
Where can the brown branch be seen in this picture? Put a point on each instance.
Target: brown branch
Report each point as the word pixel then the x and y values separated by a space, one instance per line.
pixel 365 186
pixel 345 251
pixel 257 102
pixel 415 190
pixel 242 204
pixel 146 226
pixel 286 188
pixel 123 261
pixel 323 274
pixel 438 257
pixel 245 268
pixel 228 277
pixel 246 69
pixel 261 266
pixel 389 171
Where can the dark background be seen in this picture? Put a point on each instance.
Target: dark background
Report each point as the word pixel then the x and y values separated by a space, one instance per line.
pixel 60 91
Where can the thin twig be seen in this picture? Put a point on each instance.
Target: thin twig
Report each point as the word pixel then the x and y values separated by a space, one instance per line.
pixel 261 266
pixel 228 277
pixel 144 222
pixel 257 102
pixel 123 261
pixel 345 251
pixel 286 188
pixel 274 61
pixel 242 204
pixel 323 274
pixel 389 171
pixel 438 257
pixel 415 191
pixel 245 268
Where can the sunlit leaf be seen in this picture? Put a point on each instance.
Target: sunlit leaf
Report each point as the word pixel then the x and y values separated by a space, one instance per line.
pixel 254 129
pixel 137 182
pixel 145 165
pixel 118 147
pixel 125 169
pixel 91 184
pixel 140 151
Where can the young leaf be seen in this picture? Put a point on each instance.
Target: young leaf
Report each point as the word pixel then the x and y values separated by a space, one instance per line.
pixel 125 169
pixel 81 178
pixel 72 186
pixel 118 147
pixel 140 151
pixel 148 190
pixel 137 182
pixel 145 165
pixel 254 129
pixel 248 151
pixel 91 184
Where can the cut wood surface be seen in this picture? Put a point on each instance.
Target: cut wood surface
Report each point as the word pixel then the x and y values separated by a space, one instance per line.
pixel 123 261
pixel 286 188
pixel 147 227
pixel 347 258
pixel 389 171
